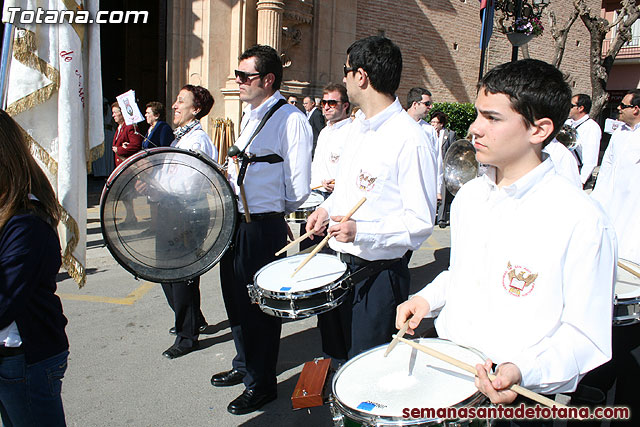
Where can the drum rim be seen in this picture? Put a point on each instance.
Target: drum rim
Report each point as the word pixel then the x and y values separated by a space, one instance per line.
pixel 121 168
pixel 362 416
pixel 283 295
pixel 630 298
pixel 303 313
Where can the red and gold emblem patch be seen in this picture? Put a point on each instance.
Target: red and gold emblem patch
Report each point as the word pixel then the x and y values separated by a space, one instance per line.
pixel 366 181
pixel 518 281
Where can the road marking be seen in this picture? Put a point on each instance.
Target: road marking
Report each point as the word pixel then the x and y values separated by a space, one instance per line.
pixel 433 245
pixel 128 300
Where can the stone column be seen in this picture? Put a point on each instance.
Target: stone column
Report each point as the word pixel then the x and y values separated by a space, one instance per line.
pixel 270 22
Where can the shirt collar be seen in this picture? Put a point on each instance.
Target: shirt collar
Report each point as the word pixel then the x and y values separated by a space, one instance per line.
pixel 578 122
pixel 522 186
pixel 376 121
pixel 339 124
pixel 627 127
pixel 259 112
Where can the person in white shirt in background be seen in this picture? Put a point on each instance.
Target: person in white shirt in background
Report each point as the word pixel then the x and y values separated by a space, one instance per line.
pixel 388 160
pixel 533 294
pixel 564 161
pixel 272 189
pixel 419 104
pixel 446 137
pixel 617 190
pixel 589 134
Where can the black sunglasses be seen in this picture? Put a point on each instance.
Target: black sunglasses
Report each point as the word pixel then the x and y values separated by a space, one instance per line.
pixel 244 76
pixel 624 106
pixel 330 102
pixel 426 103
pixel 347 70
pixel 574 106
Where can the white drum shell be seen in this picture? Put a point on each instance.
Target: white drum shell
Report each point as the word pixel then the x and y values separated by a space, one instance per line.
pixel 626 310
pixel 301 214
pixel 370 378
pixel 318 287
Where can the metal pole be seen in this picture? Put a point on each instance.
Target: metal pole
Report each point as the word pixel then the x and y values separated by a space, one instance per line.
pixel 483 42
pixel 514 50
pixel 7 44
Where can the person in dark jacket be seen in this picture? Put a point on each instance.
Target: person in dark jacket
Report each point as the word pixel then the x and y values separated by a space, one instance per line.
pixel 160 133
pixel 33 343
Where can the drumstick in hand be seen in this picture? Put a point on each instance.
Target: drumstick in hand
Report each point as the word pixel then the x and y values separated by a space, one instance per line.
pixel 298 240
pixel 326 239
pixel 466 367
pixel 322 185
pixel 629 269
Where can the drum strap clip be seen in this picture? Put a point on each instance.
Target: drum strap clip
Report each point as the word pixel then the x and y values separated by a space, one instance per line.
pixel 366 271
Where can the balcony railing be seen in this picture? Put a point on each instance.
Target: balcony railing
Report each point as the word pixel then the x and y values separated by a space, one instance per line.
pixel 628 51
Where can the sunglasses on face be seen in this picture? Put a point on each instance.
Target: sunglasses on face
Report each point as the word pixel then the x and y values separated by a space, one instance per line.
pixel 347 70
pixel 425 103
pixel 574 106
pixel 330 102
pixel 245 77
pixel 625 106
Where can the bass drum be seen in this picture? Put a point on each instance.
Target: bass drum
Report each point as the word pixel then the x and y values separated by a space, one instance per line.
pixel 167 215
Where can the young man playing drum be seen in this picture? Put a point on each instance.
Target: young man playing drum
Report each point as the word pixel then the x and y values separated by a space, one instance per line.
pixel 533 294
pixel 387 160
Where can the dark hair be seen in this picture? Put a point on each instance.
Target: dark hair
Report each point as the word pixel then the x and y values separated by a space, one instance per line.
pixel 202 99
pixel 635 97
pixel 20 175
pixel 267 61
pixel 381 59
pixel 415 95
pixel 583 101
pixel 157 108
pixel 536 89
pixel 442 117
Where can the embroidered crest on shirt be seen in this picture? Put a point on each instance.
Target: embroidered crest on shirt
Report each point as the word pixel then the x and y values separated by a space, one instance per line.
pixel 518 281
pixel 366 182
pixel 334 157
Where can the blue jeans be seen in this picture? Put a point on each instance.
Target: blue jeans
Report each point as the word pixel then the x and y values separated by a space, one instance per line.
pixel 30 394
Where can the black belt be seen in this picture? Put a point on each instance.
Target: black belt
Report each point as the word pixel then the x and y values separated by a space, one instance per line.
pixel 355 260
pixel 365 268
pixel 262 216
pixel 10 351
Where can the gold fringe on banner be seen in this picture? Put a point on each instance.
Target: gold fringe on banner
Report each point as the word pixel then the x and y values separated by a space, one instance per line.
pixel 41 154
pixel 223 137
pixel 94 154
pixel 23 51
pixel 75 269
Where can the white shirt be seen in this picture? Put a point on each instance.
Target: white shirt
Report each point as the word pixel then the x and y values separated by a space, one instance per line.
pixel 618 189
pixel 328 151
pixel 563 161
pixel 310 112
pixel 278 187
pixel 543 231
pixel 387 160
pixel 436 147
pixel 197 140
pixel 589 134
pixel 10 336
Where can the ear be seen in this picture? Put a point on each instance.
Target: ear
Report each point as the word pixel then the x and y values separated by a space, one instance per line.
pixel 268 80
pixel 362 78
pixel 541 130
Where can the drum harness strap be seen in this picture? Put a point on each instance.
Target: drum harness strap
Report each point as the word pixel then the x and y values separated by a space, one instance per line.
pixel 246 159
pixel 368 270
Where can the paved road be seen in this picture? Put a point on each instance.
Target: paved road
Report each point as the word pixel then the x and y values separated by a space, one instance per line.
pixel 118 328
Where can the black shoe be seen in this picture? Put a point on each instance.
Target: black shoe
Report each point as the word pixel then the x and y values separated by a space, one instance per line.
pixel 174 352
pixel 250 401
pixel 227 378
pixel 201 328
pixel 443 224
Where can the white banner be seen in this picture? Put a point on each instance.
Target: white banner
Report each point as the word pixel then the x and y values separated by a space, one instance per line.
pixel 55 94
pixel 129 108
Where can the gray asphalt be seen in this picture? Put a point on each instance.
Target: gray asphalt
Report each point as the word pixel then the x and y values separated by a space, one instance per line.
pixel 118 329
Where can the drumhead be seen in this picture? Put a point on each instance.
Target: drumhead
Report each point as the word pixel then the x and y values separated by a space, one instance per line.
pixel 383 386
pixel 312 201
pixel 167 214
pixel 627 285
pixel 321 270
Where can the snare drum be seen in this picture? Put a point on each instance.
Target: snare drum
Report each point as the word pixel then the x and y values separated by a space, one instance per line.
pixel 373 390
pixel 318 287
pixel 626 310
pixel 302 213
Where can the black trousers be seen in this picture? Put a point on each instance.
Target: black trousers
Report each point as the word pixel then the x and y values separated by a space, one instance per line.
pixel 184 300
pixel 367 317
pixel 256 335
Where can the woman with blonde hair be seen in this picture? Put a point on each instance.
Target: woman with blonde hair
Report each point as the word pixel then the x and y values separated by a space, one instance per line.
pixel 33 342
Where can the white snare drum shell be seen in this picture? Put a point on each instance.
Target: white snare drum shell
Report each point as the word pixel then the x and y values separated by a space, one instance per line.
pixel 313 201
pixel 321 270
pixel 627 285
pixel 371 384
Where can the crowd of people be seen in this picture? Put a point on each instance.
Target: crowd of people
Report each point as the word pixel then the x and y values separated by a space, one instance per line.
pixel 532 268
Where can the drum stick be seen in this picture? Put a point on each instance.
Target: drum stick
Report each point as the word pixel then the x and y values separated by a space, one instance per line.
pixel 326 239
pixel 471 369
pixel 629 269
pixel 322 185
pixel 396 339
pixel 298 240
pixel 243 196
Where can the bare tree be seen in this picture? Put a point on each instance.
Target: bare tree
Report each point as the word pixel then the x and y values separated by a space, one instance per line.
pixel 559 35
pixel 601 62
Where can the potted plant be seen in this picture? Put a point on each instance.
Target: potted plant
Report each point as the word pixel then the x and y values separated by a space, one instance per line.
pixel 524 29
